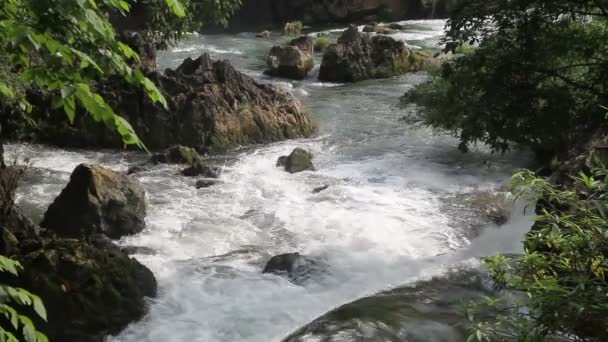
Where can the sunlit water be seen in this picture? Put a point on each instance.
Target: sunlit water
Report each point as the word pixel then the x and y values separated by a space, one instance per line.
pixel 380 224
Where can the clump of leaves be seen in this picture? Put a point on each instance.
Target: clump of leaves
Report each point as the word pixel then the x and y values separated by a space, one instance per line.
pixel 563 270
pixel 21 327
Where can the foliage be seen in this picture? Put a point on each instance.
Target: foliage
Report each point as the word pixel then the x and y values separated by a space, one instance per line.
pixel 540 68
pixel 563 270
pixel 64 47
pixel 160 24
pixel 20 325
pixel 321 43
pixel 293 28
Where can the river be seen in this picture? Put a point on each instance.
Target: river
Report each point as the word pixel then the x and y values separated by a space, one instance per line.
pixel 383 221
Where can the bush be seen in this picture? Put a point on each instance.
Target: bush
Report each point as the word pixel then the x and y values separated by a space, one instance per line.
pixel 293 28
pixel 518 87
pixel 563 270
pixel 321 43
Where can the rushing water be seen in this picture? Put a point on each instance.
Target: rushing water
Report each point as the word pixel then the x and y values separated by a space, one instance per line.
pixel 382 222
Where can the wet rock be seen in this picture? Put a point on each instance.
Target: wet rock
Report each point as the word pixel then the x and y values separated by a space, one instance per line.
pixel 97 201
pixel 369 28
pixel 211 106
pixel 176 155
pixel 130 250
pixel 319 189
pixel 298 268
pixel 293 61
pixel 88 291
pixel 282 161
pixel 395 26
pixel 358 56
pixel 299 160
pixel 145 49
pixel 136 169
pixel 429 310
pixel 263 34
pixel 204 183
pixel 199 168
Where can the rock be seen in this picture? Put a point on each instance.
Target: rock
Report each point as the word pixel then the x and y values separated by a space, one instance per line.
pixel 395 26
pixel 358 56
pixel 136 169
pixel 97 201
pixel 176 155
pixel 211 106
pixel 370 28
pixel 282 161
pixel 296 267
pixel 204 183
pixel 138 250
pixel 293 61
pixel 299 160
pixel 88 291
pixel 200 169
pixel 319 189
pixel 263 34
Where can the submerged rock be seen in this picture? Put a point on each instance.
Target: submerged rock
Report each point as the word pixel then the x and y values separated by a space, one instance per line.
pixel 299 160
pixel 204 183
pixel 358 56
pixel 139 250
pixel 293 61
pixel 198 168
pixel 97 201
pixel 319 189
pixel 263 34
pixel 296 267
pixel 211 106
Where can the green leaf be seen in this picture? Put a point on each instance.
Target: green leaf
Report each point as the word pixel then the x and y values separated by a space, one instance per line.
pixel 177 7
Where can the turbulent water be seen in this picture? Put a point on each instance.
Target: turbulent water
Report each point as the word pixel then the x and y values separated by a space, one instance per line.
pixel 382 222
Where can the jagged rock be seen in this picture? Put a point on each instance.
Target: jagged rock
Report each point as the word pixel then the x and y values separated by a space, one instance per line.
pixel 296 267
pixel 319 189
pixel 200 169
pixel 264 34
pixel 292 61
pixel 211 106
pixel 299 160
pixel 97 201
pixel 89 291
pixel 358 56
pixel 204 183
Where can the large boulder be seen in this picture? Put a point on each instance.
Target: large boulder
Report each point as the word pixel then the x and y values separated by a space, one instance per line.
pixel 359 56
pixel 292 61
pixel 299 160
pixel 97 201
pixel 89 289
pixel 211 106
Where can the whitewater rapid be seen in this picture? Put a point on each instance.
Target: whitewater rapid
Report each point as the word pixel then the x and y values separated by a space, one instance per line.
pixel 381 223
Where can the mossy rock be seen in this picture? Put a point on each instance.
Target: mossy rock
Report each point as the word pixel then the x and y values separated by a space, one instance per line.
pixel 90 289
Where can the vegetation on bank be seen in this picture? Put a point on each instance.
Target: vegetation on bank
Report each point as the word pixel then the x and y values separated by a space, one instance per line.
pixel 537 77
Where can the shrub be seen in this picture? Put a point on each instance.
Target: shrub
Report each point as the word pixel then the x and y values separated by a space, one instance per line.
pixel 563 270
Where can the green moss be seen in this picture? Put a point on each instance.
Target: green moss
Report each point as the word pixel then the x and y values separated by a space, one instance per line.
pixel 465 49
pixel 293 28
pixel 321 43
